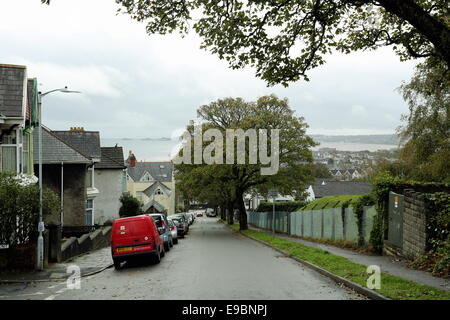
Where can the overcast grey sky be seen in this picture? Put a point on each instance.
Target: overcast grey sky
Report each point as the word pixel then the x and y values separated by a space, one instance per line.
pixel 135 85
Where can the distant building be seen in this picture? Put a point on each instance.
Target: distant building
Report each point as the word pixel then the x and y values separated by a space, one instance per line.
pixel 347 174
pixel 153 184
pixel 323 187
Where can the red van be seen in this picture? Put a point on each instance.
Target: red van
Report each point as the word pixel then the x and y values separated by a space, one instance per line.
pixel 135 236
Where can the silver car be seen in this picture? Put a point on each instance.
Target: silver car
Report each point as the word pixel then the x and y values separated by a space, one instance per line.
pixel 173 231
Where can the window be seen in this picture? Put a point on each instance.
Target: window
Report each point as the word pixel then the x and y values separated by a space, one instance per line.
pixel 147 177
pixel 89 213
pixel 10 152
pixel 90 178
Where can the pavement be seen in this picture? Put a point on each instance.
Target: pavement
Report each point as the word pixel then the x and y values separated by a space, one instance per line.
pixel 89 263
pixel 391 265
pixel 210 263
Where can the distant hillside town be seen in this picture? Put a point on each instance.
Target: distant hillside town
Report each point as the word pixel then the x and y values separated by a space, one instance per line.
pixel 350 165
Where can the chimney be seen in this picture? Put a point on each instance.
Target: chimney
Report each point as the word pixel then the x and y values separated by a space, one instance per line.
pixel 77 129
pixel 131 161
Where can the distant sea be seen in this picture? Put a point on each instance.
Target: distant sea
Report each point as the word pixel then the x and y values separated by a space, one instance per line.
pixel 160 150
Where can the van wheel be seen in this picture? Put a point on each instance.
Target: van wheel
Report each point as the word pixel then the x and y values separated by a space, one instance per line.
pixel 117 264
pixel 157 258
pixel 167 246
pixel 171 242
pixel 175 241
pixel 163 253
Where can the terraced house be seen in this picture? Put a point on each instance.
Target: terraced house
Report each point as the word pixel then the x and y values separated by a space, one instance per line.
pixel 153 184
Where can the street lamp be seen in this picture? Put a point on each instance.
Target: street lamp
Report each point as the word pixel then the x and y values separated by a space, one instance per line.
pixel 40 243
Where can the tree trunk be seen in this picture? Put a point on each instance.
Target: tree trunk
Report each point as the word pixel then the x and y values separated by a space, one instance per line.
pixel 431 28
pixel 242 212
pixel 230 213
pixel 223 213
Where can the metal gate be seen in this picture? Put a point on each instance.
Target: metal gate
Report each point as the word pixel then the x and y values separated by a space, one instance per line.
pixel 395 228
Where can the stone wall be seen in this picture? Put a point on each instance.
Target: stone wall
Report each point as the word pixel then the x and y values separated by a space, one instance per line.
pixel 72 247
pixel 414 225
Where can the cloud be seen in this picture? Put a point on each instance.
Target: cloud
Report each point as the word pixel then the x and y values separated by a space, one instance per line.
pixel 359 111
pixel 92 80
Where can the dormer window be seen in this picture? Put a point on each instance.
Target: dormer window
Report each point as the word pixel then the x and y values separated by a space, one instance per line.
pixel 147 177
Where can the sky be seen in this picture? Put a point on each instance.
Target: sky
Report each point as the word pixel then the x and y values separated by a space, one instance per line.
pixel 137 85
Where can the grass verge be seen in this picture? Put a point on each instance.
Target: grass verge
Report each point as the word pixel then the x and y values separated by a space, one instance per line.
pixel 391 286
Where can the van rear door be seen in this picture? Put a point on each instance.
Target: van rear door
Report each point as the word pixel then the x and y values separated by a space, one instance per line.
pixel 131 233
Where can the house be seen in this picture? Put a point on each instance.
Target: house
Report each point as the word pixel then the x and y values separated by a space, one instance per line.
pixel 87 142
pixel 64 170
pixel 110 179
pixel 18 116
pixel 68 159
pixel 347 174
pixel 323 187
pixel 152 183
pixel 252 201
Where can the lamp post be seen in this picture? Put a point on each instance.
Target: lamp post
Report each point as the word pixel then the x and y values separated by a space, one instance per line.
pixel 40 242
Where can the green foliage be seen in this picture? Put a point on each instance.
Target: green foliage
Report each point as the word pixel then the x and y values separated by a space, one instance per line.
pixel 358 209
pixel 283 40
pixel 426 154
pixel 319 170
pixel 130 207
pixel 179 208
pixel 330 202
pixel 284 206
pixel 225 184
pixel 438 226
pixel 381 185
pixel 438 220
pixel 19 209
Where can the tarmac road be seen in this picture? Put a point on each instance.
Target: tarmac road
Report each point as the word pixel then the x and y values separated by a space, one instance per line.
pixel 210 263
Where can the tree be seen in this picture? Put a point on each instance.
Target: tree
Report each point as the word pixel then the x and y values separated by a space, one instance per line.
pixel 427 129
pixel 230 182
pixel 19 209
pixel 285 39
pixel 319 170
pixel 130 206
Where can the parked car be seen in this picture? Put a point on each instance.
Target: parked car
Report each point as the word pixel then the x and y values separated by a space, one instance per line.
pixel 185 220
pixel 190 218
pixel 135 237
pixel 210 212
pixel 163 224
pixel 174 230
pixel 199 214
pixel 180 225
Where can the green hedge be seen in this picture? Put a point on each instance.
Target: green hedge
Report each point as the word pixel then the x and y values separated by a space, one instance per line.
pixel 288 206
pixel 330 202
